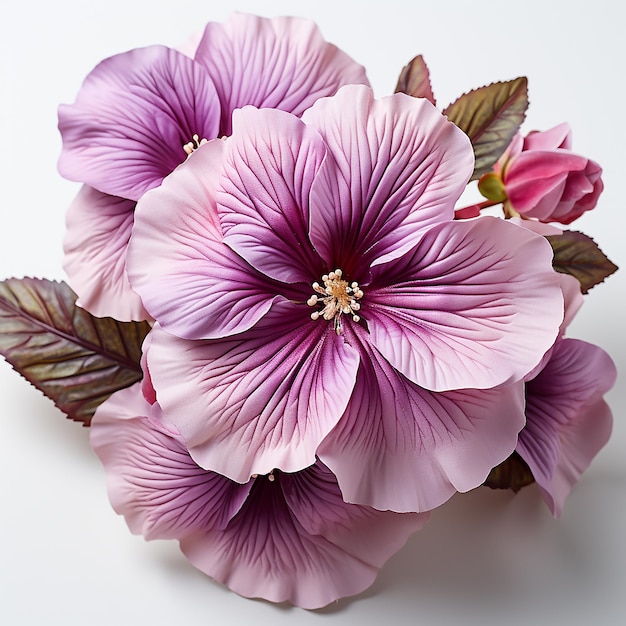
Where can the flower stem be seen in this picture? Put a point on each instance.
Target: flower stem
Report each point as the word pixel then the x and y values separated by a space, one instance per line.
pixel 473 210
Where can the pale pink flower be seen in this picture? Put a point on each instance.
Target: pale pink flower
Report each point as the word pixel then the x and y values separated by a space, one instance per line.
pixel 314 296
pixel 282 537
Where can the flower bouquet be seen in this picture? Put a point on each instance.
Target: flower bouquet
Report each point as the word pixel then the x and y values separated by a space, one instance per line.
pixel 290 339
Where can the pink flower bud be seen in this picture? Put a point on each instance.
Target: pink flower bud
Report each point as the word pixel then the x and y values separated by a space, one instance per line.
pixel 545 180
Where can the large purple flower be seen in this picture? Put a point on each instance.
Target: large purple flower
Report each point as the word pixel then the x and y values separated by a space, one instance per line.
pixel 315 296
pixel 139 114
pixel 282 537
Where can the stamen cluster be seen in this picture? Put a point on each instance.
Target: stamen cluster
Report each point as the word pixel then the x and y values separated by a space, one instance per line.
pixel 193 145
pixel 338 298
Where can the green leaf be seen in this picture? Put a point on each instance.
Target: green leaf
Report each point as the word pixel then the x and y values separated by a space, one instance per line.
pixel 75 359
pixel 414 80
pixel 490 116
pixel 579 255
pixel 513 473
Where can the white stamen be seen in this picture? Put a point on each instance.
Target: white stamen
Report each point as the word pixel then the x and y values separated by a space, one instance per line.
pixel 271 477
pixel 193 145
pixel 337 297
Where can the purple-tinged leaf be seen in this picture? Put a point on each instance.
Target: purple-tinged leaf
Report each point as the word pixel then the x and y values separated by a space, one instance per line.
pixel 414 80
pixel 490 116
pixel 579 255
pixel 513 473
pixel 74 358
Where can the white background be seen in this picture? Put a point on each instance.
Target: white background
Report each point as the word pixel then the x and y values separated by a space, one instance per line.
pixel 485 557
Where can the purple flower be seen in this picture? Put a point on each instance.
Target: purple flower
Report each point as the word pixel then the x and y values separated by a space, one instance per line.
pixel 139 114
pixel 282 537
pixel 315 296
pixel 568 421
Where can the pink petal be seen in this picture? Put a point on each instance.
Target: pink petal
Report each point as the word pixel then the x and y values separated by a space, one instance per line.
pixel 297 541
pixel 473 305
pixel 263 199
pixel 403 448
pixel 558 137
pixel 151 479
pixel 538 165
pixel 281 63
pixel 536 181
pixel 95 244
pixel 193 284
pixel 395 166
pixel 568 420
pixel 261 400
pixel 132 117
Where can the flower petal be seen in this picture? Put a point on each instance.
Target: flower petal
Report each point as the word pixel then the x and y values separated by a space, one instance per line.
pixel 395 166
pixel 568 421
pixel 261 400
pixel 281 63
pixel 270 163
pixel 292 538
pixel 151 479
pixel 404 448
pixel 559 136
pixel 132 117
pixel 95 244
pixel 189 280
pixel 296 540
pixel 473 305
pixel 573 298
pixel 534 178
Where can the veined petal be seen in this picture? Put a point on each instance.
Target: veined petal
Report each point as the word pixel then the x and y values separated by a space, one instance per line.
pixel 270 163
pixel 151 478
pixel 404 448
pixel 95 245
pixel 189 280
pixel 395 167
pixel 296 540
pixel 280 63
pixel 284 537
pixel 473 305
pixel 132 117
pixel 570 286
pixel 568 420
pixel 261 400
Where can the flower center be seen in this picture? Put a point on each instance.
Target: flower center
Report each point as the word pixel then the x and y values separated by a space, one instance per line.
pixel 337 297
pixel 193 145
